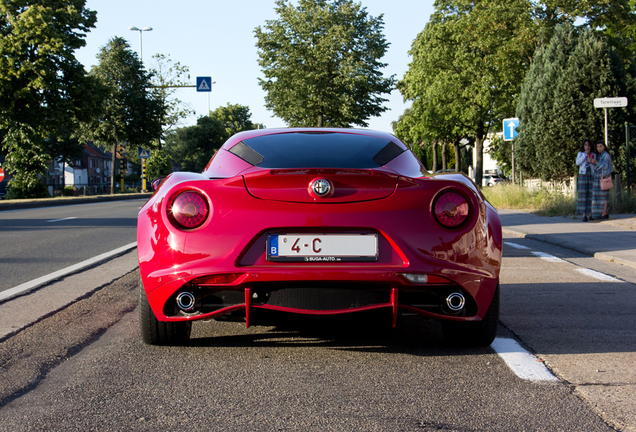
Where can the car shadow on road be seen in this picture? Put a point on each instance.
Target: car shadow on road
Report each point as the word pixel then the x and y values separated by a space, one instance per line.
pixel 365 333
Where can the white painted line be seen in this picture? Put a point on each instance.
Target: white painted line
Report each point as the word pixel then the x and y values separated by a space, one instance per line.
pixel 598 275
pixel 523 364
pixel 515 245
pixel 58 220
pixel 545 256
pixel 35 283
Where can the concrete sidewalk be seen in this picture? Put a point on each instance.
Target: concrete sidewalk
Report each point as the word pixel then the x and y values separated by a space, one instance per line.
pixel 613 240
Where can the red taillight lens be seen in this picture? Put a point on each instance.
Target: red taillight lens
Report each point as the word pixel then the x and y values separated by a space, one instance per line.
pixel 189 209
pixel 451 209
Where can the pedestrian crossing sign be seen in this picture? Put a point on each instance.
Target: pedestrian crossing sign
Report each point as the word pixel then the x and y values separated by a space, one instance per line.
pixel 204 84
pixel 143 153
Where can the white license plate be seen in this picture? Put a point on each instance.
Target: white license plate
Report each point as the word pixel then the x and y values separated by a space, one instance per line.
pixel 322 247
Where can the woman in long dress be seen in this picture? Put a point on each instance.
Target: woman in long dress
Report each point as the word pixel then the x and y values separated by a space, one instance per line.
pixel 585 180
pixel 602 168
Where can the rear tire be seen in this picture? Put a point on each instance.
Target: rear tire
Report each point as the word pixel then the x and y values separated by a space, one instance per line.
pixel 475 333
pixel 155 332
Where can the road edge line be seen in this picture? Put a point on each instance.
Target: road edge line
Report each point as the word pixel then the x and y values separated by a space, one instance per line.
pixel 522 363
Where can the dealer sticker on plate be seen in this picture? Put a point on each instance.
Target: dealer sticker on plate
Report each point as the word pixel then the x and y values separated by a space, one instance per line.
pixel 322 247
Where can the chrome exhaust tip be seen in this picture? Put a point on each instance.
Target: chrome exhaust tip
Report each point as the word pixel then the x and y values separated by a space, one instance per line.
pixel 185 301
pixel 455 301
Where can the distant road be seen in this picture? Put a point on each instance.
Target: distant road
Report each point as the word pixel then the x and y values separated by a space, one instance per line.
pixel 36 242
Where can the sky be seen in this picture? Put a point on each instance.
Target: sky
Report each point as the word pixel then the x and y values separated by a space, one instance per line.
pixel 216 38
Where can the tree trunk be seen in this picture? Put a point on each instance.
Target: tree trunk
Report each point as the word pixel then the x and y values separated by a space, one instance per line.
pixel 320 120
pixel 434 156
pixel 479 153
pixel 444 151
pixel 457 164
pixel 112 169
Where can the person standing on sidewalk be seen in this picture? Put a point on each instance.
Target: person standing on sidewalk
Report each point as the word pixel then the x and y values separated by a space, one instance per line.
pixel 585 180
pixel 602 167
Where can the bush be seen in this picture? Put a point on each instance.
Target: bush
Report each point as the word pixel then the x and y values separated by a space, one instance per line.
pixel 68 191
pixel 39 190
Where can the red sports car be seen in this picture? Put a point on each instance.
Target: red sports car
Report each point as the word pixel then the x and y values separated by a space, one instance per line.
pixel 317 222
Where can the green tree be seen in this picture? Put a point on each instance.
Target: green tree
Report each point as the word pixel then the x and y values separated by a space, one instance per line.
pixel 44 90
pixel 166 77
pixel 321 63
pixel 556 109
pixel 614 20
pixel 234 118
pixel 466 67
pixel 132 112
pixel 192 147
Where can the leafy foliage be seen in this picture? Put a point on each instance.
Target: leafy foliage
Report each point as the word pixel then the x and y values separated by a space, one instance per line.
pixel 166 77
pixel 43 88
pixel 464 77
pixel 321 63
pixel 192 147
pixel 131 112
pixel 234 118
pixel 556 107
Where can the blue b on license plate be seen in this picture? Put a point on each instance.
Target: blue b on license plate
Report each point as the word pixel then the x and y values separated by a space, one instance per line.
pixel 322 247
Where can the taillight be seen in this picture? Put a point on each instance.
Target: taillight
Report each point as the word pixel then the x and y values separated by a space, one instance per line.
pixel 451 209
pixel 189 209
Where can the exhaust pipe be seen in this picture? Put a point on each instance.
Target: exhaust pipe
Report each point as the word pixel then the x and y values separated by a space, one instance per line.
pixel 455 301
pixel 185 301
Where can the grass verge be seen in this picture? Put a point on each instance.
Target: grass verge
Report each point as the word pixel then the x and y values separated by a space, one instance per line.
pixel 548 203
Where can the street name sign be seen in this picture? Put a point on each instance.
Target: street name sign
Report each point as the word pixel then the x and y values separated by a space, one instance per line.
pixel 613 102
pixel 510 126
pixel 143 153
pixel 204 84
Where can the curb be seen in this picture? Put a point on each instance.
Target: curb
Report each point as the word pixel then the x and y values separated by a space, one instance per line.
pixel 603 256
pixel 8 205
pixel 76 268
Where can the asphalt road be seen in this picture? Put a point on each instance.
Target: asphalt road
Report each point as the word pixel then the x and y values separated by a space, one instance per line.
pixel 37 242
pixel 85 368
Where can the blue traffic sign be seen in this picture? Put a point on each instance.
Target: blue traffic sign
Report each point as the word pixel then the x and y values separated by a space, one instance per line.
pixel 204 84
pixel 143 153
pixel 510 127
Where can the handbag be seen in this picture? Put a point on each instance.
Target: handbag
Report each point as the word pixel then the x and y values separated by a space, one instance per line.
pixel 606 182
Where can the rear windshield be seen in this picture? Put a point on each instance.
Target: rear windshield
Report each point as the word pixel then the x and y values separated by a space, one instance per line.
pixel 317 150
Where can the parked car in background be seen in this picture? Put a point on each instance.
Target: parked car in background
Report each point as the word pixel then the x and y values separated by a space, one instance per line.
pixel 492 180
pixel 317 221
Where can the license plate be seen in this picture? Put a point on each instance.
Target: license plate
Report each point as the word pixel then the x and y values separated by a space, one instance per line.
pixel 322 247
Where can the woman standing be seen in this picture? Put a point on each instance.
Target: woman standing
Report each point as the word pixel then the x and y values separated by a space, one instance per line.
pixel 602 167
pixel 585 181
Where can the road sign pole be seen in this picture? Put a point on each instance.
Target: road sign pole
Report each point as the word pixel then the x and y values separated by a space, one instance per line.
pixel 513 162
pixel 606 143
pixel 143 174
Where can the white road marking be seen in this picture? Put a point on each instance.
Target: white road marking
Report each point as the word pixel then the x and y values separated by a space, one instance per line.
pixel 515 245
pixel 547 257
pixel 521 362
pixel 598 275
pixel 35 283
pixel 58 220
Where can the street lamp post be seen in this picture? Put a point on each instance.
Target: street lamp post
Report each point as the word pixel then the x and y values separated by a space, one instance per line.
pixel 141 51
pixel 141 58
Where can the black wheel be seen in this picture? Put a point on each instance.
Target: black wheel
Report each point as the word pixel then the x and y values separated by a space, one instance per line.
pixel 155 332
pixel 477 333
